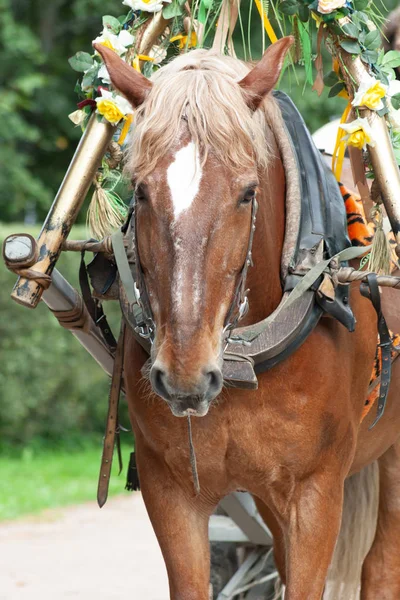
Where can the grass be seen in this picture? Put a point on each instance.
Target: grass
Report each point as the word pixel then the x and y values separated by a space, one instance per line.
pixel 39 480
pixel 38 477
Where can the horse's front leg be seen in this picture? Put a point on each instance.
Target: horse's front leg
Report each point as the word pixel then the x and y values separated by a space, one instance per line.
pixel 180 521
pixel 311 529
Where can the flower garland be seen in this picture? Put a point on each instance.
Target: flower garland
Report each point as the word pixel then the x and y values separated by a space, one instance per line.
pixel 351 25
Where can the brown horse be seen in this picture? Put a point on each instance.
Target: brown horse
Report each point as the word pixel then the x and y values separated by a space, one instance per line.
pixel 203 146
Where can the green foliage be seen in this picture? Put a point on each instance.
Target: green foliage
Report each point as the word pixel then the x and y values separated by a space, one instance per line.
pixel 37 480
pixel 37 139
pixel 396 101
pixel 50 387
pixel 81 62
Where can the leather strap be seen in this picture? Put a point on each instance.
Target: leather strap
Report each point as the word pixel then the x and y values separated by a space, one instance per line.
pixel 94 306
pixel 370 290
pixel 112 427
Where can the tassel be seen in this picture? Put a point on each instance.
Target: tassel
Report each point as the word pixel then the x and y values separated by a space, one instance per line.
pixel 106 213
pixel 132 477
pixel 380 258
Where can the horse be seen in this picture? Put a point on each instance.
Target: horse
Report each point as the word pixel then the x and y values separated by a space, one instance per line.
pixel 202 148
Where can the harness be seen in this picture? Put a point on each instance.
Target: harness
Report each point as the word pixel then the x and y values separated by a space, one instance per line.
pixel 321 239
pixel 321 248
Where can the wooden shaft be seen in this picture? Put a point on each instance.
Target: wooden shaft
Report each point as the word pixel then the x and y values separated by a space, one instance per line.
pixel 350 275
pixel 76 184
pixel 65 207
pixel 382 157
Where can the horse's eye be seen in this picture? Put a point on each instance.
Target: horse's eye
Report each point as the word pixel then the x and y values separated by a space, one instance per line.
pixel 141 194
pixel 248 196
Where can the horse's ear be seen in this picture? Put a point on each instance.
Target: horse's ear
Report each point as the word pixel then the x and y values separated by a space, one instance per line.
pixel 264 76
pixel 133 85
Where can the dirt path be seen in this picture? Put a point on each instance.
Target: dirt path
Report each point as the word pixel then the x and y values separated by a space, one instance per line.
pixel 83 553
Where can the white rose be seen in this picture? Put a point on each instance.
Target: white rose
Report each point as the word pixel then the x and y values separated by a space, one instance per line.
pixel 327 6
pixel 118 43
pixel 120 102
pixel 150 6
pixel 104 74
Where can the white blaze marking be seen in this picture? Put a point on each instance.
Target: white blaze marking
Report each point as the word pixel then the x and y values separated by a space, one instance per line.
pixel 184 176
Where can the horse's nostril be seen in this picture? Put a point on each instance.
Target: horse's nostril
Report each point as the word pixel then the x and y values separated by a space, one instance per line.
pixel 158 378
pixel 214 381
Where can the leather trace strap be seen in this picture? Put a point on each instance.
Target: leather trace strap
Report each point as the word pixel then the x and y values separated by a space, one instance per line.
pixel 370 289
pixel 94 306
pixel 240 303
pixel 112 427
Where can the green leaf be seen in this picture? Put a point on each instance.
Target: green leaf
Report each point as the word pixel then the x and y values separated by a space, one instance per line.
pixel 351 46
pixel 386 75
pixel 112 24
pixel 172 10
pixel 89 77
pixel 360 4
pixel 372 40
pixel 305 42
pixel 351 30
pixel 126 18
pixel 336 89
pixel 391 59
pixel 382 112
pixel 364 18
pixel 203 12
pixel 81 62
pixel 396 152
pixel 369 56
pixel 304 13
pixel 289 7
pixel 331 78
pixel 381 56
pixel 395 101
pixel 395 135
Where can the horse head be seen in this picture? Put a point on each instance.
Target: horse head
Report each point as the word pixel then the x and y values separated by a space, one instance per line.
pixel 196 152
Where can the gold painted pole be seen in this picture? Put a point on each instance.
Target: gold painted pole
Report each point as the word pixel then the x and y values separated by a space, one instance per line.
pixel 65 207
pixel 76 184
pixel 382 157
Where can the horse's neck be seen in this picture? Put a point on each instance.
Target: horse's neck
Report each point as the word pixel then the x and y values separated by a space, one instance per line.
pixel 264 277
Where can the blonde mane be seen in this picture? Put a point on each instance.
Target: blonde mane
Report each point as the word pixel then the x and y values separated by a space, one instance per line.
pixel 199 88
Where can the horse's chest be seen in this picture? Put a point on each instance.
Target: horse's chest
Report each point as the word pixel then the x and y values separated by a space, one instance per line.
pixel 236 446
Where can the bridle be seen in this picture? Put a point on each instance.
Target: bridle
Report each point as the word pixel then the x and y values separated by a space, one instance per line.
pixel 145 326
pixel 240 303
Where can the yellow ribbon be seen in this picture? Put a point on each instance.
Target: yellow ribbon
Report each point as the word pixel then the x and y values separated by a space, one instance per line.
pixel 136 64
pixel 125 129
pixel 267 24
pixel 340 146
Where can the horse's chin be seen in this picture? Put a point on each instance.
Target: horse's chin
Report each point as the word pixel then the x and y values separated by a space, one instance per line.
pixel 179 409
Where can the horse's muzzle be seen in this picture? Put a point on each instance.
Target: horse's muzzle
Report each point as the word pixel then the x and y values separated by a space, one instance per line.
pixel 191 398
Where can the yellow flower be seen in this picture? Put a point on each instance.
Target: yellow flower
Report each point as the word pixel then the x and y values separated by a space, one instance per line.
pixel 113 107
pixel 359 133
pixel 183 40
pixel 316 18
pixel 118 43
pixel 110 111
pixel 358 139
pixel 107 44
pixel 372 98
pixel 370 93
